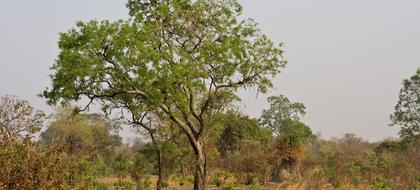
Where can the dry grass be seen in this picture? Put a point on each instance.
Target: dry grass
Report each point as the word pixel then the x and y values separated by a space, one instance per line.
pixel 270 186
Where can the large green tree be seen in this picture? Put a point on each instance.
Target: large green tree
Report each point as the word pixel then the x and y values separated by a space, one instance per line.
pixel 183 58
pixel 407 110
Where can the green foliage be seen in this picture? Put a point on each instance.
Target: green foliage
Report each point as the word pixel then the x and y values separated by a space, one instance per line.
pixel 140 167
pixel 407 110
pixel 89 170
pixel 381 182
pixel 82 134
pixel 282 116
pixel 350 162
pixel 238 129
pixel 183 180
pixel 181 60
pixel 101 186
pixel 124 185
pixel 121 165
pixel 147 183
pixel 354 170
pixel 157 59
pixel 222 178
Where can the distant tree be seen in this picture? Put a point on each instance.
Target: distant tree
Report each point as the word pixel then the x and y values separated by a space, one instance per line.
pixel 283 117
pixel 185 59
pixel 236 130
pixel 18 119
pixel 82 134
pixel 407 110
pixel 351 138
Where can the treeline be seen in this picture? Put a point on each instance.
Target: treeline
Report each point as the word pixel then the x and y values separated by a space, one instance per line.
pixel 84 151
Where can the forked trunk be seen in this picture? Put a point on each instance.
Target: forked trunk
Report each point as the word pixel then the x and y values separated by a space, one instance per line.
pixel 200 177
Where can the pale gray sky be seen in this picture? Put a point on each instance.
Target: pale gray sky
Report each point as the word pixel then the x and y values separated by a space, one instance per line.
pixel 346 58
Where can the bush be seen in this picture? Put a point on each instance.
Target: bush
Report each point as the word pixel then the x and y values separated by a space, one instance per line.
pixel 100 186
pixel 146 183
pixel 24 166
pixel 354 170
pixel 381 182
pixel 125 185
pixel 222 178
pixel 181 180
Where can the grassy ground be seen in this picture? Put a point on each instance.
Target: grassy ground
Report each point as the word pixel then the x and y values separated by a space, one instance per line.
pixel 110 181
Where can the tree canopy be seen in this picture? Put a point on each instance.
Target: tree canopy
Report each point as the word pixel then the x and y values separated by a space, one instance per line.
pixel 283 116
pixel 407 110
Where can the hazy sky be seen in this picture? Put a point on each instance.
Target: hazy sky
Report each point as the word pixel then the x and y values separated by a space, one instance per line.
pixel 346 58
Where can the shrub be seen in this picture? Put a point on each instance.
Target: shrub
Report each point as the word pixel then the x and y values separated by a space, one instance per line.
pixel 100 186
pixel 24 166
pixel 255 184
pixel 381 182
pixel 222 178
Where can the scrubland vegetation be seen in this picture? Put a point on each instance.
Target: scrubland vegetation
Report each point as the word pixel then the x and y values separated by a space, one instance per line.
pixel 276 151
pixel 171 72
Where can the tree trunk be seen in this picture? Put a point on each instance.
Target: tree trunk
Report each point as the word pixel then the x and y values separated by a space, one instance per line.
pixel 159 183
pixel 200 177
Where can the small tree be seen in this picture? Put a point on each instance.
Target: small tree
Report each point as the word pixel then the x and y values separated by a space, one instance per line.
pixel 121 166
pixel 407 110
pixel 18 119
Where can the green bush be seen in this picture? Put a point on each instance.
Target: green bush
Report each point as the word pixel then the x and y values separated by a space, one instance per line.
pixel 125 185
pixel 100 186
pixel 146 183
pixel 222 178
pixel 354 170
pixel 381 182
